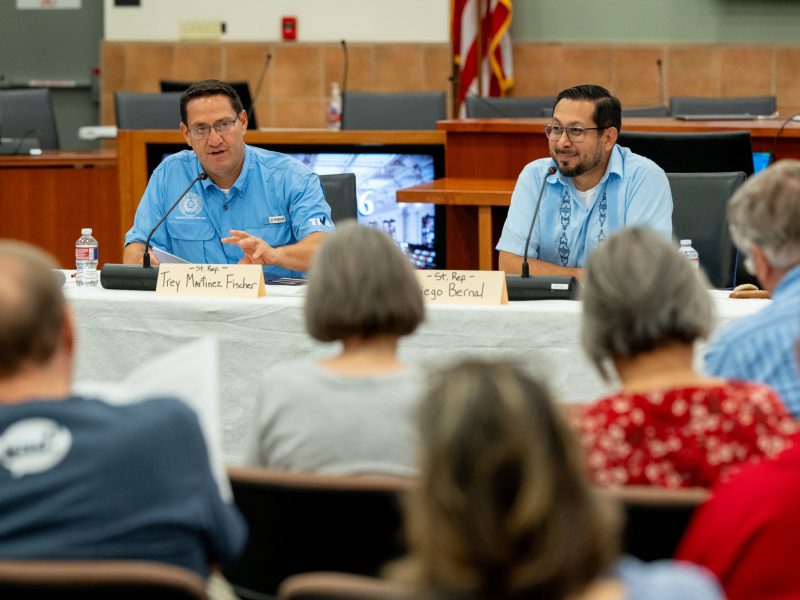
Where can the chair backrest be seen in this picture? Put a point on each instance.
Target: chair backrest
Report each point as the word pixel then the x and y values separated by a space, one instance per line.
pixel 699 202
pixel 340 193
pixel 242 89
pixel 646 111
pixel 29 114
pixel 479 107
pixel 340 586
pixel 147 111
pixel 302 522
pixel 98 580
pixel 362 110
pixel 717 152
pixel 752 105
pixel 655 518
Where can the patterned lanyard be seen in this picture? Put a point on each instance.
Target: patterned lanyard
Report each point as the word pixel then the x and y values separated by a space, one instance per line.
pixel 565 216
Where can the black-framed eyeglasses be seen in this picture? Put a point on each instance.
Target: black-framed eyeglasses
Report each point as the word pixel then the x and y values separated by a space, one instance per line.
pixel 222 127
pixel 574 133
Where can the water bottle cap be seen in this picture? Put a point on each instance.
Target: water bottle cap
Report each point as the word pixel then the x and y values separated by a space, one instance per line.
pixel 686 242
pixel 86 231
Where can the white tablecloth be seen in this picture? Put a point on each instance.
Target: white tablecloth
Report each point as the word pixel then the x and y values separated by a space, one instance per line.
pixel 118 330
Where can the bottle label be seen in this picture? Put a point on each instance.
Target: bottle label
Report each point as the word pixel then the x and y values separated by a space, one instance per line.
pixel 86 253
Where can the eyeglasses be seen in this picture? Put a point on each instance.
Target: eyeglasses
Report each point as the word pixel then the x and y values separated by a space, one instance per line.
pixel 574 133
pixel 222 127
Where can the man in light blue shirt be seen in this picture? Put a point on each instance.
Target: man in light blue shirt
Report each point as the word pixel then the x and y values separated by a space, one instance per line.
pixel 764 219
pixel 254 207
pixel 594 188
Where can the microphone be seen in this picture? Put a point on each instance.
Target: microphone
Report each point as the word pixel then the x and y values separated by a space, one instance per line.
pixel 146 258
pixel 267 60
pixel 345 69
pixel 525 267
pixel 525 287
pixel 136 277
pixel 662 97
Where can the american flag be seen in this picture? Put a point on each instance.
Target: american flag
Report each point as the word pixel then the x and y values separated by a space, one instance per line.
pixel 482 47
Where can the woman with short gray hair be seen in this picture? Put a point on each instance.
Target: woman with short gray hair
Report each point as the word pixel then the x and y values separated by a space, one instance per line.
pixel 644 306
pixel 352 412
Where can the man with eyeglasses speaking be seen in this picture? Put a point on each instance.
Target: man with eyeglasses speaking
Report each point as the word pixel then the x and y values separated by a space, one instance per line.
pixel 589 188
pixel 254 206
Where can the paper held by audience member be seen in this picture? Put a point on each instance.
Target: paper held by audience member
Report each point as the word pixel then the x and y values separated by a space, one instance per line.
pixel 189 373
pixel 165 257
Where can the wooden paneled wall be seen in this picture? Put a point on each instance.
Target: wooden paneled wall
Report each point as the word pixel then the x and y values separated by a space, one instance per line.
pixel 298 82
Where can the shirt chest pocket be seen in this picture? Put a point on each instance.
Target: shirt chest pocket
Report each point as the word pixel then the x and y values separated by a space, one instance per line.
pixel 275 234
pixel 192 240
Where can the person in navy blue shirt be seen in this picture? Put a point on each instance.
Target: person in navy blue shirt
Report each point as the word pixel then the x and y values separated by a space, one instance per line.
pixel 254 207
pixel 81 479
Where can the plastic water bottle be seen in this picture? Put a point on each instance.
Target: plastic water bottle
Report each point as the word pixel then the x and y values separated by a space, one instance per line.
pixel 690 253
pixel 335 107
pixel 86 252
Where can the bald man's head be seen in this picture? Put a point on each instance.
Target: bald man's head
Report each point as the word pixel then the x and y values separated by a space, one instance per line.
pixel 31 308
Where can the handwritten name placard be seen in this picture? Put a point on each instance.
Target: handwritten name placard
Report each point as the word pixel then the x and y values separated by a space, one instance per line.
pixel 463 287
pixel 228 281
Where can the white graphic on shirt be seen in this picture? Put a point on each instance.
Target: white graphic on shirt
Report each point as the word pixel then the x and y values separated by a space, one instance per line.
pixel 33 446
pixel 276 220
pixel 318 221
pixel 191 205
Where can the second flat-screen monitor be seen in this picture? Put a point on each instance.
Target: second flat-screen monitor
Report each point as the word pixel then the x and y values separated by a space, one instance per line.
pixel 380 171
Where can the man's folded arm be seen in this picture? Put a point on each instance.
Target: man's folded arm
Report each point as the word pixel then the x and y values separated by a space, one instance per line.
pixel 512 265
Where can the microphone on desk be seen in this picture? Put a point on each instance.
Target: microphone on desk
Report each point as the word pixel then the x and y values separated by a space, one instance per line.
pixel 140 277
pixel 146 258
pixel 525 287
pixel 345 69
pixel 251 108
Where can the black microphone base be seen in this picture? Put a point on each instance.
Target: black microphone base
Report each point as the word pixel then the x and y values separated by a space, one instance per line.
pixel 129 277
pixel 542 288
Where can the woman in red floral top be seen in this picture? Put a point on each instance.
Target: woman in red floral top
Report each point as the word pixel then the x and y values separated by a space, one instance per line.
pixel 644 306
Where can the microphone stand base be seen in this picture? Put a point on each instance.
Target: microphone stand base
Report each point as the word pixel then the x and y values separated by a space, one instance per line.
pixel 129 277
pixel 542 288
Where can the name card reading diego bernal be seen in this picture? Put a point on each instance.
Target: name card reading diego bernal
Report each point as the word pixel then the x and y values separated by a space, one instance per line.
pixel 463 287
pixel 228 281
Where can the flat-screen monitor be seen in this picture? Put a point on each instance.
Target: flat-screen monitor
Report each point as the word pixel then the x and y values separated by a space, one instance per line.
pixel 242 88
pixel 380 171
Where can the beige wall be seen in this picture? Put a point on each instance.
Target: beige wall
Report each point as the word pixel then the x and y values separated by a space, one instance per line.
pixel 298 82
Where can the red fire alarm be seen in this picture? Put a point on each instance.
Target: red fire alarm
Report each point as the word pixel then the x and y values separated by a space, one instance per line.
pixel 289 28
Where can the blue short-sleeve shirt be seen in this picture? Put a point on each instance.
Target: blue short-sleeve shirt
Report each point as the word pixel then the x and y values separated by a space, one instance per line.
pixel 275 198
pixel 633 191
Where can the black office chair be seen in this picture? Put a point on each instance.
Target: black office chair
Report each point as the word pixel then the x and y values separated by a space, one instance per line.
pixel 28 114
pixel 640 112
pixel 98 580
pixel 340 193
pixel 699 204
pixel 479 107
pixel 242 89
pixel 301 522
pixel 645 111
pixel 753 105
pixel 718 152
pixel 370 111
pixel 655 518
pixel 147 111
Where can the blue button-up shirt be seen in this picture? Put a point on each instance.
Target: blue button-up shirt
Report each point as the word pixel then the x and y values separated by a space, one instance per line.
pixel 633 191
pixel 275 198
pixel 762 347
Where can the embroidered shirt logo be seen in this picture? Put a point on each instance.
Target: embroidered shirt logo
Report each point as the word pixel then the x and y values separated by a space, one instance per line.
pixel 191 205
pixel 33 446
pixel 277 220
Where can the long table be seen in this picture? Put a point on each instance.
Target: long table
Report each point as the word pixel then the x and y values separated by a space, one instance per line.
pixel 119 330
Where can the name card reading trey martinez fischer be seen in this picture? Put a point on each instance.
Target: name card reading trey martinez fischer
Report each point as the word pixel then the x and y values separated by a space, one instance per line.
pixel 228 281
pixel 463 287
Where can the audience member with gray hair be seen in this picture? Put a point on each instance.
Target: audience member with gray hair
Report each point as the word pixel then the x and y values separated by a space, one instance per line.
pixel 644 306
pixel 352 412
pixel 764 217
